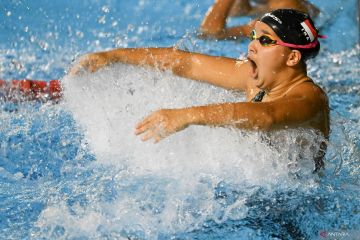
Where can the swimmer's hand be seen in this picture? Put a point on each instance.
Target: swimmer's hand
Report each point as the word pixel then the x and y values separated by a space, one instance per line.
pixel 161 124
pixel 90 63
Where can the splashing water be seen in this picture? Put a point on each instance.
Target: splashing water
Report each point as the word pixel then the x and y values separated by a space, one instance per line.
pixel 196 176
pixel 77 171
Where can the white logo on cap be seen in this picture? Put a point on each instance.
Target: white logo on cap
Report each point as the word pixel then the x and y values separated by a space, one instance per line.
pixel 273 17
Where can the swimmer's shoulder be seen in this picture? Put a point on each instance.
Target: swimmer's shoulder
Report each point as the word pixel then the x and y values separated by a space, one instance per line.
pixel 309 90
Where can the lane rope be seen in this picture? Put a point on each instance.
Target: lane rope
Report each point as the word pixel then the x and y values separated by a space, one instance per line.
pixel 30 90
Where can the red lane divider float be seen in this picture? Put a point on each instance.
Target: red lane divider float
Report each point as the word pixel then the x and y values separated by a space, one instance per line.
pixel 30 90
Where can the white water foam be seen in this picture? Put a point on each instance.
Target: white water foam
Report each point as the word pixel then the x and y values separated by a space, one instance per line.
pixel 110 102
pixel 168 187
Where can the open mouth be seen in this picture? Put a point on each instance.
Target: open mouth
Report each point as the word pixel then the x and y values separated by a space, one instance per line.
pixel 254 69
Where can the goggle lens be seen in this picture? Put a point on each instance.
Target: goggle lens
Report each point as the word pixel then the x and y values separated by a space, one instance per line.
pixel 263 40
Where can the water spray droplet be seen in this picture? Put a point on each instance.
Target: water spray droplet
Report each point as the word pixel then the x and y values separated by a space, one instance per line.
pixel 105 9
pixel 102 20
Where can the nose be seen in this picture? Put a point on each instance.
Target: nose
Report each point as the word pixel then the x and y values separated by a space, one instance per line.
pixel 252 47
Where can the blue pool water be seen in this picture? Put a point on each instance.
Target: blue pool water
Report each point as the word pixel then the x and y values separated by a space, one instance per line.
pixel 76 171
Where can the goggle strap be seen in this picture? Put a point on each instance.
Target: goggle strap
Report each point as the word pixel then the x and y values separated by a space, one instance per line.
pixel 307 46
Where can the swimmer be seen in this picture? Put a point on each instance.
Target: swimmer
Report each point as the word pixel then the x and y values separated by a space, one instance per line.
pixel 279 93
pixel 214 23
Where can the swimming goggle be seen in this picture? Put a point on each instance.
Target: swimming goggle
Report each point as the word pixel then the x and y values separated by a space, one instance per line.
pixel 267 41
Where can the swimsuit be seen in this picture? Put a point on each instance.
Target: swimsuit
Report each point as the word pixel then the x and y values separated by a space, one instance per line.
pixel 260 95
pixel 318 158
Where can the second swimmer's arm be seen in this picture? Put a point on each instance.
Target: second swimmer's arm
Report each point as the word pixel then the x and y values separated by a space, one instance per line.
pixel 214 23
pixel 215 19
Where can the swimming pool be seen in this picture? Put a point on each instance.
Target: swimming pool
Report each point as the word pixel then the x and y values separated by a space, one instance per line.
pixel 75 170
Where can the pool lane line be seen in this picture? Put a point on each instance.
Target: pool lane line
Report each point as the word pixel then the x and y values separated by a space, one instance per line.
pixel 30 90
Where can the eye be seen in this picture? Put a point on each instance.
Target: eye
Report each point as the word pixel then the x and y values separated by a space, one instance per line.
pixel 265 40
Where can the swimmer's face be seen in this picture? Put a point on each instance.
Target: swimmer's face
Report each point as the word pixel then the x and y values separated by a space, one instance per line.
pixel 267 61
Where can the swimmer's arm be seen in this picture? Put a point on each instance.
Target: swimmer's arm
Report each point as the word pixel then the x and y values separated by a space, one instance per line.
pixel 234 33
pixel 214 23
pixel 294 112
pixel 287 112
pixel 311 9
pixel 240 8
pixel 224 72
pixel 165 122
pixel 244 8
pixel 215 19
pixel 161 58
